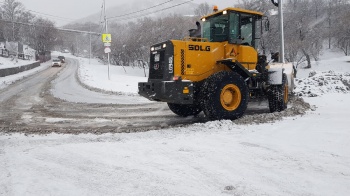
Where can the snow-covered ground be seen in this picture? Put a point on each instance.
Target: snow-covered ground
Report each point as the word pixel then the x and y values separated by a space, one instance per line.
pixel 329 75
pixel 10 62
pixel 122 79
pixel 303 155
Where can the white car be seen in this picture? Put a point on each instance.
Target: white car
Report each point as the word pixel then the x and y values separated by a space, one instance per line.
pixel 56 62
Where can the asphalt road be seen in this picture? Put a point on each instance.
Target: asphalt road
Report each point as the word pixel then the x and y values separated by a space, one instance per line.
pixel 34 105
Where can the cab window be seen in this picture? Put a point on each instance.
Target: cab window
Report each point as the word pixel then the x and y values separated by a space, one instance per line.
pixel 234 28
pixel 246 29
pixel 216 29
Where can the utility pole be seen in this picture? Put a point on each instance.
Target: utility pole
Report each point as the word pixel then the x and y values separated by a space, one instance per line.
pixel 280 14
pixel 90 45
pixel 106 23
pixel 13 30
pixel 76 45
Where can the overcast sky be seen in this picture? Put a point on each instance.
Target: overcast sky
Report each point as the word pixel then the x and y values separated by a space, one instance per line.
pixel 76 9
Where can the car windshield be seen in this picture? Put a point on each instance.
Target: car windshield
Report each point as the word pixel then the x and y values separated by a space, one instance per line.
pixel 56 60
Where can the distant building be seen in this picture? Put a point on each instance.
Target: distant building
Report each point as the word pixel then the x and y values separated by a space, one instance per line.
pixel 17 49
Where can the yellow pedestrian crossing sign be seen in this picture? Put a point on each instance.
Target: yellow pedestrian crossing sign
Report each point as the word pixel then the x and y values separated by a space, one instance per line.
pixel 106 38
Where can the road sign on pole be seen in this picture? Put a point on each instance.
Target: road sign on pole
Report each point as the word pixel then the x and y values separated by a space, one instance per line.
pixel 108 50
pixel 106 38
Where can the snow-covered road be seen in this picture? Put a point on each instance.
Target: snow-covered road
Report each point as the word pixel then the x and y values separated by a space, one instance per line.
pixel 306 155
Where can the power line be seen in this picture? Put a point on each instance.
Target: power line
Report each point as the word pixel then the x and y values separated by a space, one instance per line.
pixel 140 10
pixel 57 17
pixel 53 27
pixel 160 10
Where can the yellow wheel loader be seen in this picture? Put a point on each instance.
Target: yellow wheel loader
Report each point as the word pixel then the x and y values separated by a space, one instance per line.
pixel 217 69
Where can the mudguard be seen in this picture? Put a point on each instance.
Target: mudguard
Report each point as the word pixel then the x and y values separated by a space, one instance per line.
pixel 275 76
pixel 276 71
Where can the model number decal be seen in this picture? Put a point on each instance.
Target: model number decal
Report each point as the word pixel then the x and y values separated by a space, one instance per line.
pixel 199 48
pixel 171 65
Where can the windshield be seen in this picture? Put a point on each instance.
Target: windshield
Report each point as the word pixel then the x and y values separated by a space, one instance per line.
pixel 234 27
pixel 215 29
pixel 56 60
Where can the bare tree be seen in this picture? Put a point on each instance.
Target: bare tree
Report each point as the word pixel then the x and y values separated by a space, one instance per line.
pixel 132 41
pixel 305 27
pixel 203 9
pixel 24 33
pixel 43 35
pixel 263 6
pixel 343 37
pixel 339 24
pixel 2 24
pixel 11 11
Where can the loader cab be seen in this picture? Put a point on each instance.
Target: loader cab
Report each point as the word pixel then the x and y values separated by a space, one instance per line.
pixel 234 25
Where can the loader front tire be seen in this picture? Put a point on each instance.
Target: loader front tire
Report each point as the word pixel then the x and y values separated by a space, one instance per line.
pixel 224 95
pixel 184 110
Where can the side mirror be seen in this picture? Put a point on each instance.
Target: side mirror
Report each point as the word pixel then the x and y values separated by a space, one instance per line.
pixel 275 3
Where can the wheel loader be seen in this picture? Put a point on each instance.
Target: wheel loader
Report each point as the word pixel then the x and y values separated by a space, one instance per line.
pixel 218 69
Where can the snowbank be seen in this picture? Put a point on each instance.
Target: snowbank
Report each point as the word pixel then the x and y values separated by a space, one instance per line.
pixel 123 80
pixel 9 62
pixel 319 83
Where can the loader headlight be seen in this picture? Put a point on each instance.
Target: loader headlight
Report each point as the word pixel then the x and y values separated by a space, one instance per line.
pixel 224 12
pixel 203 19
pixel 164 45
pixel 152 49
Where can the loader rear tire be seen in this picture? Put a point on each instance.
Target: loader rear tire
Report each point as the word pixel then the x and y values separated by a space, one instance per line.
pixel 278 96
pixel 184 110
pixel 224 95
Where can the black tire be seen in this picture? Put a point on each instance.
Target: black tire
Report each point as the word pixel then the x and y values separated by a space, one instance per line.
pixel 278 96
pixel 224 95
pixel 184 110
